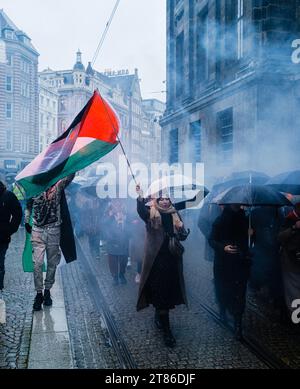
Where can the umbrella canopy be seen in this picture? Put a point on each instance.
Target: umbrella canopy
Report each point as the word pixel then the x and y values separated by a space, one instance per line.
pixel 240 178
pixel 252 195
pixel 288 182
pixel 176 185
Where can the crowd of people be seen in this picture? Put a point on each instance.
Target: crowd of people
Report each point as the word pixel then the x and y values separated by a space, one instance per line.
pixel 150 233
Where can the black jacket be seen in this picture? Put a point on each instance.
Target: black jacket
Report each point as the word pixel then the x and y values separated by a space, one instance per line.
pixel 10 215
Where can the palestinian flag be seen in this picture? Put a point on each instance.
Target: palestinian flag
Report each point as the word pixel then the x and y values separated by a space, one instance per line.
pixel 93 134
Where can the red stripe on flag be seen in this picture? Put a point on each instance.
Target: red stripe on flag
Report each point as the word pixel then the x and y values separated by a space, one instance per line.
pixel 100 121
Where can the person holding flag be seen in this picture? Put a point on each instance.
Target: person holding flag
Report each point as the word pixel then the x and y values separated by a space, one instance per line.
pixel 92 134
pixel 45 210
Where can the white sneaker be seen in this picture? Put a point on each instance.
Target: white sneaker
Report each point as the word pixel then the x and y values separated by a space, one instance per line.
pixel 137 278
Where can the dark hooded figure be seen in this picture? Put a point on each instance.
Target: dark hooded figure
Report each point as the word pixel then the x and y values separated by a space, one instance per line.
pixel 229 239
pixel 162 282
pixel 289 238
pixel 10 219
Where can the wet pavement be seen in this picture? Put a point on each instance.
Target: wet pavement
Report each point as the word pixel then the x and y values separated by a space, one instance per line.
pixel 201 342
pixel 93 324
pixel 18 295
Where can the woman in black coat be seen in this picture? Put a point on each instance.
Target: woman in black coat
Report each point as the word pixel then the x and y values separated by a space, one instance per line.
pixel 162 282
pixel 229 239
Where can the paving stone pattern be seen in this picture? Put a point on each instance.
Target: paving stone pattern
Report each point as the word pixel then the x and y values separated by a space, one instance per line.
pixel 18 295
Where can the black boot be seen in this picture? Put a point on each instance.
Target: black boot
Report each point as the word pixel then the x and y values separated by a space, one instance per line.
pixel 38 301
pixel 157 320
pixel 168 336
pixel 47 298
pixel 238 331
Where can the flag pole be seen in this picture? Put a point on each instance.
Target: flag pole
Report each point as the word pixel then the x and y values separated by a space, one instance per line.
pixel 119 140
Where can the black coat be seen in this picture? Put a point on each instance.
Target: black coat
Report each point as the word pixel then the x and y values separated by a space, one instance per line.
pixel 67 240
pixel 10 215
pixel 231 271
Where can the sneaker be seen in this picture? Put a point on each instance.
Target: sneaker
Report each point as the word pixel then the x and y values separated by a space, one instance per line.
pixel 38 301
pixel 137 278
pixel 122 279
pixel 47 298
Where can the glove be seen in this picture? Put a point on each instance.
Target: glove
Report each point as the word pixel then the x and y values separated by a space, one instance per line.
pixel 28 228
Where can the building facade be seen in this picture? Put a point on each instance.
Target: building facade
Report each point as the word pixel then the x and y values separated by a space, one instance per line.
pixel 151 133
pixel 75 86
pixel 232 88
pixel 48 115
pixel 19 134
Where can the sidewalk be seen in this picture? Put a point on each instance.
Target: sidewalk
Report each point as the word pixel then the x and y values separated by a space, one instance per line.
pixel 50 346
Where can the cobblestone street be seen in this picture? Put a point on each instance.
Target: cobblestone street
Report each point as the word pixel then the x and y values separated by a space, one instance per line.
pixel 106 331
pixel 18 295
pixel 202 343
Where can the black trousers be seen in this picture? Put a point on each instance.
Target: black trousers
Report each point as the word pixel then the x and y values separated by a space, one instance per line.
pixel 3 249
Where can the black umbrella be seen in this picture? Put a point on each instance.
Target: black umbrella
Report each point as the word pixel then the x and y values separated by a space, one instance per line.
pixel 288 182
pixel 240 178
pixel 250 196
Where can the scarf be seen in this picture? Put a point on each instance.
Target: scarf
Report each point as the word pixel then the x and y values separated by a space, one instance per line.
pixel 155 215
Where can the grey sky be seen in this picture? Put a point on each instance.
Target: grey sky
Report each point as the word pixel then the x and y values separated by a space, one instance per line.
pixel 136 37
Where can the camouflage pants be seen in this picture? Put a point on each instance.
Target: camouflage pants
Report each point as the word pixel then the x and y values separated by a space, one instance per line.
pixel 45 241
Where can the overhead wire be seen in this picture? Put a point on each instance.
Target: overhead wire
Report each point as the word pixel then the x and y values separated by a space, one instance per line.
pixel 102 39
pixel 93 62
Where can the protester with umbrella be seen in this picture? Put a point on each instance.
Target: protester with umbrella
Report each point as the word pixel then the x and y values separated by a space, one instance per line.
pixel 162 282
pixel 289 237
pixel 231 239
pixel 209 211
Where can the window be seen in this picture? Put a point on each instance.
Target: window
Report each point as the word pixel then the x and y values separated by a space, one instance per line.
pixel 202 46
pixel 42 100
pixel 25 89
pixel 8 111
pixel 179 64
pixel 195 141
pixel 9 34
pixel 225 127
pixel 240 28
pixel 41 120
pixel 8 83
pixel 231 30
pixel 24 113
pixel 25 65
pixel 9 59
pixel 8 140
pixel 174 146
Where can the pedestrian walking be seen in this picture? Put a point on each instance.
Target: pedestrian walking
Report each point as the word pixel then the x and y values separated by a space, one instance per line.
pixel 10 219
pixel 289 238
pixel 229 239
pixel 162 281
pixel 117 240
pixel 47 216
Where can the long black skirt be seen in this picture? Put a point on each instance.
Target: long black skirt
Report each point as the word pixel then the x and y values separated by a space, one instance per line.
pixel 162 288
